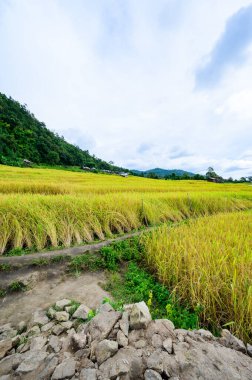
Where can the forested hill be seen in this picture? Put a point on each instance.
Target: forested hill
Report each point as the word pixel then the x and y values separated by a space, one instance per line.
pixel 22 136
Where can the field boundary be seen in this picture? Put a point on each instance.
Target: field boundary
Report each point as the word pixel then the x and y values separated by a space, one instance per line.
pixel 71 251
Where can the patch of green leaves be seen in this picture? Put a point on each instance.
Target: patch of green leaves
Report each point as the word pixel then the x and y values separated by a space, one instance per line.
pixel 86 262
pixel 74 306
pixel 5 267
pixel 17 286
pixel 40 262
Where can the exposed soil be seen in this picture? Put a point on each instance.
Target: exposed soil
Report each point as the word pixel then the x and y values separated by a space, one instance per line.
pixel 46 286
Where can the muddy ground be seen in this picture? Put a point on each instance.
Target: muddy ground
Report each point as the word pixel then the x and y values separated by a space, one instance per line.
pixel 46 286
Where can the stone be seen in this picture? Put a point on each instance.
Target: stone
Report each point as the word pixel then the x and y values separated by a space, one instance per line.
pixel 6 377
pixel 167 344
pixel 205 334
pixel 64 370
pixel 50 364
pixel 105 349
pixel 156 341
pixel 61 316
pixel 88 374
pixel 100 326
pixel 162 327
pixel 60 305
pixel 67 325
pixel 8 334
pixel 152 375
pixel 249 349
pixel 5 346
pixel 105 307
pixel 231 341
pixel 47 327
pixel 122 339
pixel 124 323
pixel 21 327
pixel 34 331
pixel 139 316
pixel 9 363
pixel 51 312
pixel 125 364
pixel 39 317
pixel 38 343
pixel 58 329
pixel 5 327
pixel 32 361
pixel 79 340
pixel 54 344
pixel 81 312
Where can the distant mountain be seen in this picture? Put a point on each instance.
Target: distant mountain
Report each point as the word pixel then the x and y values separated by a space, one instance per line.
pixel 163 172
pixel 23 137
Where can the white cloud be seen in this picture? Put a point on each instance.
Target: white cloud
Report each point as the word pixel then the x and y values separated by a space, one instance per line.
pixel 115 76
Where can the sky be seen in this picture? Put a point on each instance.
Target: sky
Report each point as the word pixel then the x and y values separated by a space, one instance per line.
pixel 142 83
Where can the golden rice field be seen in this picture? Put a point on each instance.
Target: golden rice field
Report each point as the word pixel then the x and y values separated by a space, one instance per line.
pixel 44 208
pixel 208 261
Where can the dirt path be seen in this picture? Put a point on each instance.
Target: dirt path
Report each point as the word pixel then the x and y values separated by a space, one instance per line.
pixel 50 285
pixel 73 251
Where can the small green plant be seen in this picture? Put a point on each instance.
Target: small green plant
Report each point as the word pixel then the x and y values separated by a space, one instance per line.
pixel 17 286
pixel 5 267
pixel 20 251
pixel 2 293
pixel 117 305
pixel 74 306
pixel 58 258
pixel 40 262
pixel 22 340
pixel 86 262
pixel 91 314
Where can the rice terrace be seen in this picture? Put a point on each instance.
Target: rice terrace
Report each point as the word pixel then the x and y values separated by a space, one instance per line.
pixel 126 197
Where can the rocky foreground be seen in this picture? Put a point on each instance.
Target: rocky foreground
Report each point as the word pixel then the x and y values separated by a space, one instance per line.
pixel 117 345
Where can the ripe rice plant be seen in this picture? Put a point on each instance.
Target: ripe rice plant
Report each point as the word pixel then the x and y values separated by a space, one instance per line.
pixel 42 208
pixel 208 262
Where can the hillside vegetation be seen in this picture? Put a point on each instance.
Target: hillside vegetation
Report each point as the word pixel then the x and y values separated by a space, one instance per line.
pixel 42 208
pixel 22 136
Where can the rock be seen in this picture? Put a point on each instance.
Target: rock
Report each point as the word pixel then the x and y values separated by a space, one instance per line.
pixel 105 307
pixel 88 374
pixel 249 349
pixel 51 312
pixel 38 343
pixel 162 327
pixel 124 323
pixel 48 326
pixel 124 363
pixel 5 327
pixel 105 349
pixel 64 370
pixel 122 339
pixel 61 316
pixel 100 326
pixel 50 364
pixel 32 362
pixel 205 334
pixel 231 341
pixel 79 340
pixel 35 330
pixel 151 375
pixel 9 363
pixel 54 344
pixel 167 344
pixel 5 346
pixel 58 329
pixel 67 325
pixel 60 305
pixel 22 327
pixel 39 318
pixel 139 316
pixel 6 377
pixel 82 312
pixel 8 334
pixel 156 341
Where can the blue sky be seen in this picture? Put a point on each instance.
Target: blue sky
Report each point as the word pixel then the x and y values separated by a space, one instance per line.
pixel 164 83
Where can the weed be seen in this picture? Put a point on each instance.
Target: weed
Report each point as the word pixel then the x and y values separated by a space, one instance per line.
pixel 17 286
pixel 74 306
pixel 2 293
pixel 91 314
pixel 40 262
pixel 85 262
pixel 5 267
pixel 59 258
